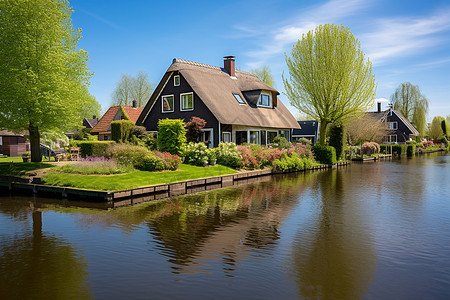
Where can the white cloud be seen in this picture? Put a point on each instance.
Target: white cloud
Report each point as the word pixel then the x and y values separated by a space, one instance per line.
pixel 393 38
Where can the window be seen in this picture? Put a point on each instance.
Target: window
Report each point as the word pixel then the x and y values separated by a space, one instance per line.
pixel 263 137
pixel 265 100
pixel 226 137
pixel 167 103
pixel 176 80
pixel 254 137
pixel 270 136
pixel 241 137
pixel 238 98
pixel 187 101
pixel 391 139
pixel 393 125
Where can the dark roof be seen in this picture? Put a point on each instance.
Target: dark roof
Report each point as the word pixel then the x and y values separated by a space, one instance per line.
pixel 383 116
pixel 104 123
pixel 308 128
pixel 10 133
pixel 90 123
pixel 215 88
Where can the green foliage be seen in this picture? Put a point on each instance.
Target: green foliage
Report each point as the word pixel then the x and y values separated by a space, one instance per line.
pixel 292 163
pixel 304 141
pixel 124 113
pixel 435 130
pixel 26 154
pixel 43 75
pixel 337 139
pixel 444 127
pixel 121 130
pixel 131 88
pixel 324 154
pixel 95 167
pixel 410 102
pixel 410 149
pixel 196 154
pixel 330 77
pixel 281 142
pixel 227 155
pixel 194 129
pixel 84 135
pixel 370 148
pixel 264 74
pixel 93 148
pixel 171 135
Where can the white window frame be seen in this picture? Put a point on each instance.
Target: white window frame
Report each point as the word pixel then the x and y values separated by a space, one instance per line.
pixel 235 94
pixel 391 139
pixel 260 100
pixel 391 125
pixel 162 104
pixel 267 135
pixel 175 80
pixel 181 101
pixel 211 136
pixel 249 136
pixel 227 133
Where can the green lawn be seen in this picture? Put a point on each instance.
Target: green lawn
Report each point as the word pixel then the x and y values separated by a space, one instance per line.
pixel 134 179
pixel 17 167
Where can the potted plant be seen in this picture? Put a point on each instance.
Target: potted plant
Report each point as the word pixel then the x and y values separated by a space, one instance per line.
pixel 26 156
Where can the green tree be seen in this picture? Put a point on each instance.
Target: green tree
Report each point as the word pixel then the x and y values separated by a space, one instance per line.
pixel 42 73
pixel 131 88
pixel 330 78
pixel 264 74
pixel 444 127
pixel 410 102
pixel 435 130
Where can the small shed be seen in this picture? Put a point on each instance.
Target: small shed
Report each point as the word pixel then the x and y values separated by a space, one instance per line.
pixel 13 144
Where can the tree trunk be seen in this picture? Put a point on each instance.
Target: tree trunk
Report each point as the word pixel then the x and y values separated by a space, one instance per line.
pixel 322 132
pixel 35 138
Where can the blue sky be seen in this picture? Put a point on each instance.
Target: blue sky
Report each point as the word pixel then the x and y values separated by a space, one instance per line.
pixel 405 40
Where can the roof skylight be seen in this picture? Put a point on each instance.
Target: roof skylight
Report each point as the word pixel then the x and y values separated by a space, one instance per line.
pixel 238 98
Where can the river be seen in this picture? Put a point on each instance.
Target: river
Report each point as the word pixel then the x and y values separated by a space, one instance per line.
pixel 366 231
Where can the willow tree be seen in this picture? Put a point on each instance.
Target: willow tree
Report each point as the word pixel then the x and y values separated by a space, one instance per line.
pixel 330 77
pixel 410 102
pixel 131 88
pixel 264 74
pixel 42 73
pixel 435 131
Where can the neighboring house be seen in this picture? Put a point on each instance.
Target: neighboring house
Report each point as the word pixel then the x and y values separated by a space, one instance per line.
pixel 400 130
pixel 236 105
pixel 13 144
pixel 90 123
pixel 309 130
pixel 114 113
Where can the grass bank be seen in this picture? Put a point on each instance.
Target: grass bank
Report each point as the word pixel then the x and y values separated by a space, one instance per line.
pixel 14 167
pixel 133 179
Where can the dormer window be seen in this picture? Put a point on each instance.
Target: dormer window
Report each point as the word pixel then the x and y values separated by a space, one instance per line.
pixel 265 100
pixel 238 98
pixel 176 80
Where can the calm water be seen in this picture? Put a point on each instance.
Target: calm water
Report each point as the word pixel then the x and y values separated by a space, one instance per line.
pixel 370 231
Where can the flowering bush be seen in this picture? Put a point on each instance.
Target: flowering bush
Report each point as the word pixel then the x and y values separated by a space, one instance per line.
pixel 293 162
pixel 370 148
pixel 227 155
pixel 195 154
pixel 95 165
pixel 171 161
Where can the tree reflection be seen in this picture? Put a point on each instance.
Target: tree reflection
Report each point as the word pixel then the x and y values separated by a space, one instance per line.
pixel 35 265
pixel 334 258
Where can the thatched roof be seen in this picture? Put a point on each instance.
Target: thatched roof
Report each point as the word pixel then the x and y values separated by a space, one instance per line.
pixel 215 88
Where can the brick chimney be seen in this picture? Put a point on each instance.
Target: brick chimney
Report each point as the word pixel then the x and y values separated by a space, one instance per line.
pixel 228 64
pixel 379 106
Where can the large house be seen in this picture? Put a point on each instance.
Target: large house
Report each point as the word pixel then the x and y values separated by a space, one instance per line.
pixel 309 130
pixel 400 130
pixel 115 113
pixel 236 105
pixel 13 144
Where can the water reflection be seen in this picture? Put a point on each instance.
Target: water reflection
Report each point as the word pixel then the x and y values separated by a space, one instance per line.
pixel 334 257
pixel 36 265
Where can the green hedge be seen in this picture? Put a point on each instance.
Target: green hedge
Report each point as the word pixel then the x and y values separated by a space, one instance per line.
pixel 171 135
pixel 411 149
pixel 400 149
pixel 121 130
pixel 324 154
pixel 93 148
pixel 337 139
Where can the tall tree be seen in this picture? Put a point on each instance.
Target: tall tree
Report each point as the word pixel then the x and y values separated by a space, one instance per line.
pixel 330 78
pixel 435 130
pixel 365 129
pixel 264 74
pixel 131 88
pixel 42 73
pixel 410 102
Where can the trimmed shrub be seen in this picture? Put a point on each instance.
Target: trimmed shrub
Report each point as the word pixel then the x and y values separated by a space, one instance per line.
pixel 195 154
pixel 227 155
pixel 293 162
pixel 124 113
pixel 400 149
pixel 337 139
pixel 171 162
pixel 304 141
pixel 281 142
pixel 121 130
pixel 171 135
pixel 324 154
pixel 411 149
pixel 93 148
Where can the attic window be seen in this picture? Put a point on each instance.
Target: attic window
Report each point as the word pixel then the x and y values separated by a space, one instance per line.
pixel 238 98
pixel 176 80
pixel 167 103
pixel 265 100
